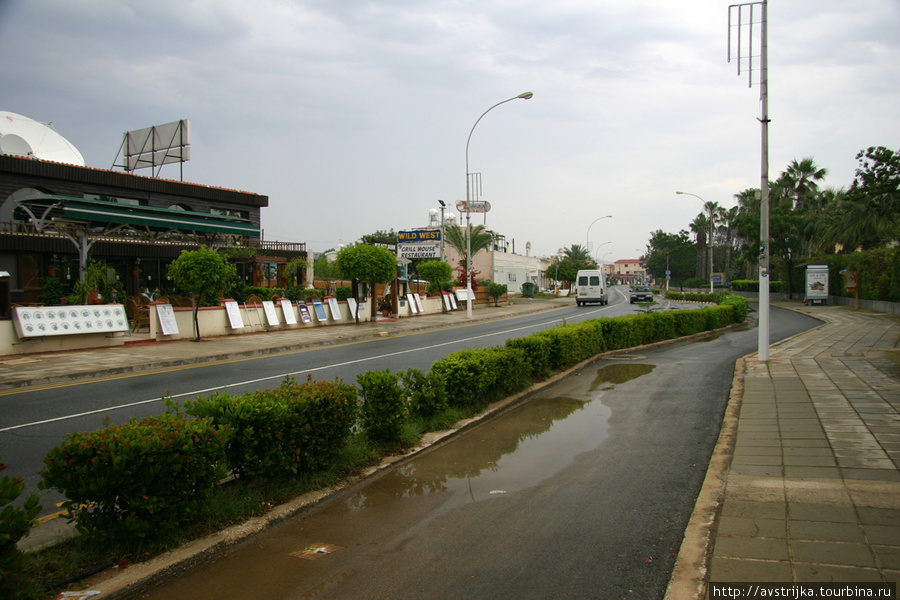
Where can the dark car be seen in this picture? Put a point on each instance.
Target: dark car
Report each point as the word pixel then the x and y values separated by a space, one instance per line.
pixel 641 293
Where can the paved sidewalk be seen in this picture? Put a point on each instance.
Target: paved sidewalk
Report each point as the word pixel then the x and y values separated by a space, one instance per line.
pixel 804 486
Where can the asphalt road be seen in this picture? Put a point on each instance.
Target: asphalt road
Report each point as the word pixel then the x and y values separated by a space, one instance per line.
pixel 584 491
pixel 32 421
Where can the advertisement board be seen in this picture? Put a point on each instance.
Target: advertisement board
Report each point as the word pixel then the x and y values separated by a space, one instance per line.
pixel 817 283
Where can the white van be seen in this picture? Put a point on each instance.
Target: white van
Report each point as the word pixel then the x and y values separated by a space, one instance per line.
pixel 590 286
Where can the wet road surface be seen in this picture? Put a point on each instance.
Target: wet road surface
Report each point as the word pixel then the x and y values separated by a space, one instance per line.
pixel 582 492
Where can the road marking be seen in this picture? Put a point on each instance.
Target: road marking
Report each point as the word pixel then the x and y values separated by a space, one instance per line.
pixel 281 376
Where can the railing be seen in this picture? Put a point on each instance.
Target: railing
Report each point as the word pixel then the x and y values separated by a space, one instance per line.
pixel 279 246
pixel 27 228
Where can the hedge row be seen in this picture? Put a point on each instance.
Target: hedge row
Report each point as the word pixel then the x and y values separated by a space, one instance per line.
pixel 137 480
pixel 752 285
pixel 294 428
pixel 147 477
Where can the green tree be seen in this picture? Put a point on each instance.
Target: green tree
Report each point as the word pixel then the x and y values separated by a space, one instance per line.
pixel 578 253
pixel 800 181
pixel 293 271
pixel 363 262
pixel 204 274
pixel 436 271
pixel 673 251
pixel 868 215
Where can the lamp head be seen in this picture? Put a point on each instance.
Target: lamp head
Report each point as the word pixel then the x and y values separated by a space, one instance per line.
pixel 525 95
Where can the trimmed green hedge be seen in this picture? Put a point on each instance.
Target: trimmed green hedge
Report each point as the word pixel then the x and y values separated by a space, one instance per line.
pixel 296 428
pixel 477 376
pixel 139 480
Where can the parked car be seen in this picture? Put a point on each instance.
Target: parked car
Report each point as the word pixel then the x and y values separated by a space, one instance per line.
pixel 641 293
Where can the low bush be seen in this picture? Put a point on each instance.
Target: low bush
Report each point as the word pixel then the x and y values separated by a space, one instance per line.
pixel 15 523
pixel 295 428
pixel 536 350
pixel 427 394
pixel 384 410
pixel 741 307
pixel 343 292
pixel 137 481
pixel 478 376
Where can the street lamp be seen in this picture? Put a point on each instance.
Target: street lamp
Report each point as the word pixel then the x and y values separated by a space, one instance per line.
pixel 522 96
pixel 710 238
pixel 587 241
pixel 600 246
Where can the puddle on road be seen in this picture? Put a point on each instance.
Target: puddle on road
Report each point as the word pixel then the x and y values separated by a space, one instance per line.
pixel 491 462
pixel 611 375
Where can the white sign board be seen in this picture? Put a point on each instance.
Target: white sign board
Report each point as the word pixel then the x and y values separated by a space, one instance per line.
pixel 413 251
pixel 166 316
pixel 234 315
pixel 335 308
pixel 412 304
pixel 463 295
pixel 271 315
pixel 351 304
pixel 287 309
pixel 68 320
pixel 816 283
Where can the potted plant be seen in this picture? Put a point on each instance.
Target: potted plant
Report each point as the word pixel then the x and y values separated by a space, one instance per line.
pixel 385 306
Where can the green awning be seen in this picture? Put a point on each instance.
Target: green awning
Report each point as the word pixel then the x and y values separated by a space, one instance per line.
pixel 97 212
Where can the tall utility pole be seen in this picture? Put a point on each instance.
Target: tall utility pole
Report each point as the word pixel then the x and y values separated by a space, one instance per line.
pixel 741 18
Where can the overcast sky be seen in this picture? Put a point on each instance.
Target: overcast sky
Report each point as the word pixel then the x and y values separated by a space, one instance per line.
pixel 352 116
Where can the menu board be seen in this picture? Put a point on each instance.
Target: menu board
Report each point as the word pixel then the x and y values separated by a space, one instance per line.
pixel 287 309
pixel 234 314
pixel 319 309
pixel 166 316
pixel 351 304
pixel 304 313
pixel 419 302
pixel 68 320
pixel 335 308
pixel 271 315
pixel 412 304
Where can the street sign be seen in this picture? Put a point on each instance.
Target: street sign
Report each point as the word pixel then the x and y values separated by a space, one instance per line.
pixel 412 251
pixel 473 206
pixel 419 235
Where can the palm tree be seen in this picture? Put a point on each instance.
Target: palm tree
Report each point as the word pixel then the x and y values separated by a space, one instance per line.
pixel 578 253
pixel 801 179
pixel 700 227
pixel 455 236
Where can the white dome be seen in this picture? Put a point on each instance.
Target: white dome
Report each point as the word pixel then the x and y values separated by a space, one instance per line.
pixel 21 136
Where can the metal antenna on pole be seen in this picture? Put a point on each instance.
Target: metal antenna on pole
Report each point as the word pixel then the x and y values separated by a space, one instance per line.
pixel 745 17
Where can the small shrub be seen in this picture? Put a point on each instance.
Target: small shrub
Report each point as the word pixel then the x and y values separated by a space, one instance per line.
pixel 427 394
pixel 536 350
pixel 384 410
pixel 15 523
pixel 477 376
pixel 741 307
pixel 295 428
pixel 137 481
pixel 343 292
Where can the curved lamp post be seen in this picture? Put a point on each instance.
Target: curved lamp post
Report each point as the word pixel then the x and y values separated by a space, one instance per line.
pixel 587 241
pixel 710 238
pixel 600 246
pixel 522 96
